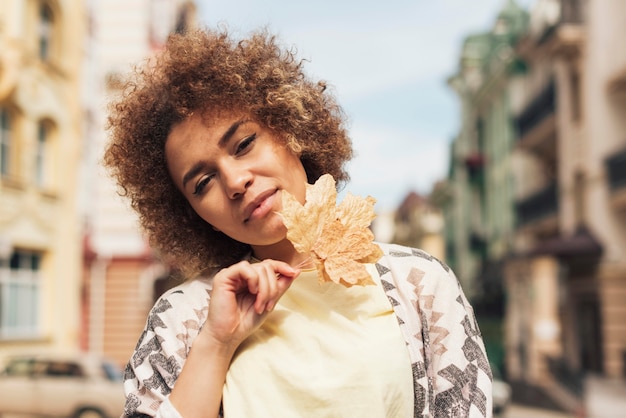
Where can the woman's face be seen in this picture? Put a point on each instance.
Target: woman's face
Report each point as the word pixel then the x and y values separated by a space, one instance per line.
pixel 232 171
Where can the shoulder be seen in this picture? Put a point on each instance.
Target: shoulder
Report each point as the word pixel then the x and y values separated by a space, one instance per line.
pixel 402 257
pixel 192 292
pixel 188 301
pixel 174 321
pixel 411 268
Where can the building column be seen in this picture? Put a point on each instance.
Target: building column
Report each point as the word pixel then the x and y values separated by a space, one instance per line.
pixel 544 312
pixel 532 327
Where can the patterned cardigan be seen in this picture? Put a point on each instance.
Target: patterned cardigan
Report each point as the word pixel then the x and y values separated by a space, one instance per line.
pixel 451 373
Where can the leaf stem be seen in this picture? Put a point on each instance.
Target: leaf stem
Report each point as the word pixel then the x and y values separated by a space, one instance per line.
pixel 304 262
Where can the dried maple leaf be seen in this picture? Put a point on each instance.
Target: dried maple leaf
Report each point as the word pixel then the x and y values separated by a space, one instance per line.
pixel 337 238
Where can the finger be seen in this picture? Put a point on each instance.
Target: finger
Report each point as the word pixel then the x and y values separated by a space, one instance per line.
pixel 265 274
pixel 283 268
pixel 284 276
pixel 274 292
pixel 250 275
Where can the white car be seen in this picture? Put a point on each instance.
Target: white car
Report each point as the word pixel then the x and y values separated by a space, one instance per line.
pixel 76 386
pixel 501 392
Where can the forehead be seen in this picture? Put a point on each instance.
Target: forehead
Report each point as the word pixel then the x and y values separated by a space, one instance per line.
pixel 201 124
pixel 214 117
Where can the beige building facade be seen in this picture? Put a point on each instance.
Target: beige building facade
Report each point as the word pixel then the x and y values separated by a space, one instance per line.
pixel 41 140
pixel 121 274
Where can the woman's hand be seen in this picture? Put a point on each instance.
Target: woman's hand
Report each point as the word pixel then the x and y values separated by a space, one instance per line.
pixel 242 296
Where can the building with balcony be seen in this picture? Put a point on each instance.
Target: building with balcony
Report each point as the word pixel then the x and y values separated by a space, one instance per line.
pixel 477 196
pixel 536 194
pixel 566 273
pixel 41 143
pixel 559 254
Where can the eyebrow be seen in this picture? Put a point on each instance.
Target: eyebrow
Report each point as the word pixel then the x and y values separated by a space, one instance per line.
pixel 199 166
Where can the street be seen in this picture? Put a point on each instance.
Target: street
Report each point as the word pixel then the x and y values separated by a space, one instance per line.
pixel 525 411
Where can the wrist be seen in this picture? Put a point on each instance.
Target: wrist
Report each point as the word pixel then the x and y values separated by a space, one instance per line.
pixel 207 343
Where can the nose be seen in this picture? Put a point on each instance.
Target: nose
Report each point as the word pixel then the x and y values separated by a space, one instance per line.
pixel 236 181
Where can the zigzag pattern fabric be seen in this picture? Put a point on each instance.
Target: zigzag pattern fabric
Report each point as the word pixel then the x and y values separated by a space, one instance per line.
pixel 452 376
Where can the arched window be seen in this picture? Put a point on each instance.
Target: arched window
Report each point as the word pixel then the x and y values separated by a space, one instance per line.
pixel 45 31
pixel 5 143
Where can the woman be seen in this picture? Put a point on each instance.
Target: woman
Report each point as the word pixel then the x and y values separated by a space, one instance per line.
pixel 204 142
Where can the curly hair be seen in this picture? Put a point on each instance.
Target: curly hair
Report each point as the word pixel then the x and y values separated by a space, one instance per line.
pixel 210 71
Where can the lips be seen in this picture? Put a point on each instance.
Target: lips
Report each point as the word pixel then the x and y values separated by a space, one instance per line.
pixel 259 206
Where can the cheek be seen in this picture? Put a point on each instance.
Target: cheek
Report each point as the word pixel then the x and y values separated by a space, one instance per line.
pixel 210 214
pixel 300 179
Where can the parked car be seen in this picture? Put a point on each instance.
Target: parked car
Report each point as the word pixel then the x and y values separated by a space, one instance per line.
pixel 501 392
pixel 54 385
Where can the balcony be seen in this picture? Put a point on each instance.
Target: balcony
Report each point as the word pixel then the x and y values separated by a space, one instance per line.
pixel 616 178
pixel 543 106
pixel 538 206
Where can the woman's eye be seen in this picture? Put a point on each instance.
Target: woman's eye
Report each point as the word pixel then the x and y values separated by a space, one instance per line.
pixel 245 143
pixel 202 183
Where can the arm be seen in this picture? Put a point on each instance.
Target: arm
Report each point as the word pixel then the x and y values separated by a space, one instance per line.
pixel 462 374
pixel 241 297
pixel 450 367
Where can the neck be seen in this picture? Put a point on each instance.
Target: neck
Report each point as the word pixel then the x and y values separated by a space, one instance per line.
pixel 282 251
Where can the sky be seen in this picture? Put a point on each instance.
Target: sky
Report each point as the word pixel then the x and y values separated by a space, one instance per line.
pixel 387 63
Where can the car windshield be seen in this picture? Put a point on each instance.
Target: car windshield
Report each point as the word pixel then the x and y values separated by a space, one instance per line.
pixel 112 372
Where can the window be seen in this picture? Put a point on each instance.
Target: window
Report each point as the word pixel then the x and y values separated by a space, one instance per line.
pixel 40 153
pixel 19 295
pixel 184 18
pixel 579 198
pixel 5 143
pixel 45 31
pixel 20 367
pixel 576 95
pixel 64 369
pixel 112 372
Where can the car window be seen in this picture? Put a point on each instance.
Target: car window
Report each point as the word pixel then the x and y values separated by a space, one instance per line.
pixel 112 372
pixel 19 367
pixel 64 369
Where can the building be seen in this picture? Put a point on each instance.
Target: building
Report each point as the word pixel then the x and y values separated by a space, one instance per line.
pixel 553 124
pixel 418 223
pixel 565 318
pixel 41 143
pixel 121 275
pixel 477 197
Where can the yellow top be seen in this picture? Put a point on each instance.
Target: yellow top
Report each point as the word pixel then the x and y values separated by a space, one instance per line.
pixel 325 351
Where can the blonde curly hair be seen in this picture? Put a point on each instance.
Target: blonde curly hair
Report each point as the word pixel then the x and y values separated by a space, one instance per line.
pixel 210 71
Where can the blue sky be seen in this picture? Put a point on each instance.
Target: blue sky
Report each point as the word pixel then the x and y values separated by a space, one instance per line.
pixel 387 63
